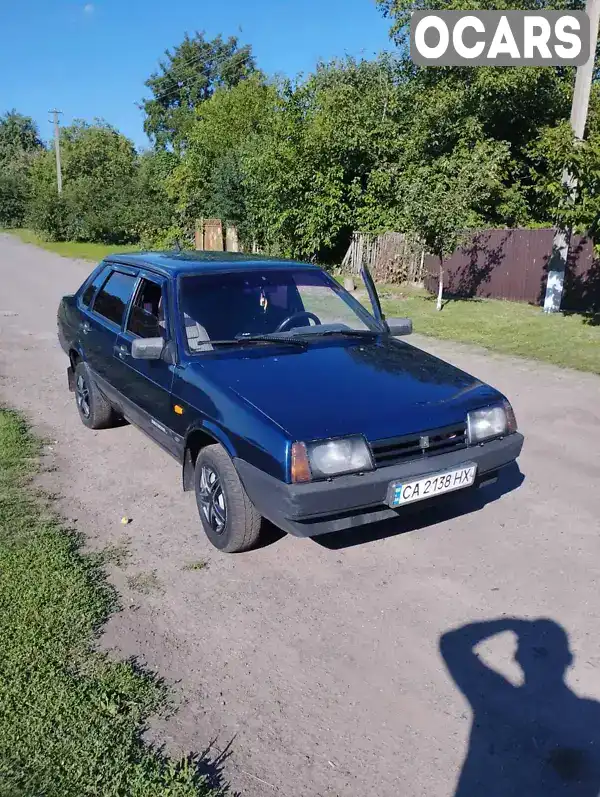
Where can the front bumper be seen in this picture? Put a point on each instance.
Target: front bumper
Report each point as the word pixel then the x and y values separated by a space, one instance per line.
pixel 307 510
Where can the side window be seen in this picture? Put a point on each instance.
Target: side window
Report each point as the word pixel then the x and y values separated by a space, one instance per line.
pixel 91 289
pixel 113 298
pixel 146 319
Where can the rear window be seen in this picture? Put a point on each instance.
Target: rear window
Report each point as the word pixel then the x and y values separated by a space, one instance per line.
pixel 112 300
pixel 91 289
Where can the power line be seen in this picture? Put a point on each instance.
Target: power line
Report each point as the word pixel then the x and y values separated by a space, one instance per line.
pixel 185 84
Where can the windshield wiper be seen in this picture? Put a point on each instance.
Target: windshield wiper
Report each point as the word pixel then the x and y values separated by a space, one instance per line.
pixel 258 339
pixel 357 333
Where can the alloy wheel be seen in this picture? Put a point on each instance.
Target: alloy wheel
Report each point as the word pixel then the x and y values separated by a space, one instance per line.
pixel 212 499
pixel 82 395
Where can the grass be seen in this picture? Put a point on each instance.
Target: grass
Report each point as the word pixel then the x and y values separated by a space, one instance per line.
pixel 118 553
pixel 568 340
pixel 146 583
pixel 200 564
pixel 70 719
pixel 83 251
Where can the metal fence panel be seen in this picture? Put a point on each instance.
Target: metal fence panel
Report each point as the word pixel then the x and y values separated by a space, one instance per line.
pixel 513 264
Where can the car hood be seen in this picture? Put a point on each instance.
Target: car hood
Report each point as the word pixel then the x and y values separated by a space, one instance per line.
pixel 380 389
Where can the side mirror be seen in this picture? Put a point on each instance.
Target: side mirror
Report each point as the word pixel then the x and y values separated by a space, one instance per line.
pixel 147 348
pixel 399 326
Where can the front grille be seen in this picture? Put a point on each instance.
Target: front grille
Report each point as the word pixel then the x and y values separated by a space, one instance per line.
pixel 411 446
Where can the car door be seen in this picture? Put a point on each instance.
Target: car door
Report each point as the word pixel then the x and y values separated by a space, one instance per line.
pixel 101 322
pixel 146 384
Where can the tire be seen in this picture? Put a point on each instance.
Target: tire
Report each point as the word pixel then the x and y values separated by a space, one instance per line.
pixel 228 517
pixel 94 410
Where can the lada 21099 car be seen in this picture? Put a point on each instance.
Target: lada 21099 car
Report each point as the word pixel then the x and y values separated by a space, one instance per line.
pixel 281 396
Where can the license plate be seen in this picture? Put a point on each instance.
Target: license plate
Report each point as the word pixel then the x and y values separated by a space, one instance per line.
pixel 400 493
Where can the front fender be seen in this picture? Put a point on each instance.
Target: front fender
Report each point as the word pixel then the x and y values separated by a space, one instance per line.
pixel 210 433
pixel 211 429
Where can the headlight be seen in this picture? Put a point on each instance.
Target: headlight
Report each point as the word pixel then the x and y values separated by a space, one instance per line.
pixel 494 421
pixel 322 459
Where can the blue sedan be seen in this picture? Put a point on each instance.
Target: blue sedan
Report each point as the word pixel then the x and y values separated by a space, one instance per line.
pixel 281 396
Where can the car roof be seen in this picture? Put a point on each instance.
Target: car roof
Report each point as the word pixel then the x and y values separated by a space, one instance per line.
pixel 171 264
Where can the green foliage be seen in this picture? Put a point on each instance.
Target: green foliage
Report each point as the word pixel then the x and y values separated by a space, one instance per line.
pixel 399 11
pixel 14 194
pixel 574 203
pixel 443 199
pixel 187 77
pixel 98 202
pixel 369 145
pixel 19 143
pixel 18 136
pixel 470 105
pixel 152 208
pixel 208 181
pixel 71 720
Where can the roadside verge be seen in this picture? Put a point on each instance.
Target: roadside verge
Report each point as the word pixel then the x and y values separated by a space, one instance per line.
pixel 71 719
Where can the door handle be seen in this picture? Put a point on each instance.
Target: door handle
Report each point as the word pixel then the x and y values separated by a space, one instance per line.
pixel 85 327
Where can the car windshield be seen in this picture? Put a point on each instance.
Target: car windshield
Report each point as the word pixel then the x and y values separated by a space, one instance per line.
pixel 223 307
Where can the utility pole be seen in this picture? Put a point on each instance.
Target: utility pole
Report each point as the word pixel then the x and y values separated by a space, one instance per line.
pixel 579 112
pixel 55 113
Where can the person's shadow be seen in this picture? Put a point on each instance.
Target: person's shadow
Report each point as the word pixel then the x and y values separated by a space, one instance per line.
pixel 537 739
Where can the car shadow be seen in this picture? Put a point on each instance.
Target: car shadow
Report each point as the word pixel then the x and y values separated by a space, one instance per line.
pixel 535 738
pixel 269 535
pixel 427 513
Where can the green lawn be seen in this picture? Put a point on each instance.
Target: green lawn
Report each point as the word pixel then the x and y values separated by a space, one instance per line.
pixel 85 251
pixel 509 327
pixel 70 719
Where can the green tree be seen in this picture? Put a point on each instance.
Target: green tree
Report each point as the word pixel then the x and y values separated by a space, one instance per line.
pixel 209 178
pixel 19 144
pixel 18 136
pixel 400 11
pixel 443 200
pixel 307 177
pixel 188 76
pixel 98 198
pixel 156 220
pixel 506 104
pixel 575 205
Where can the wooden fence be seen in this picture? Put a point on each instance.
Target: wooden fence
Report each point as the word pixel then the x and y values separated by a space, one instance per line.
pixel 391 257
pixel 211 235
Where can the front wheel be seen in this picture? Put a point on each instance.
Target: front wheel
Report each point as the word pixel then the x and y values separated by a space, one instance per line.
pixel 228 517
pixel 94 410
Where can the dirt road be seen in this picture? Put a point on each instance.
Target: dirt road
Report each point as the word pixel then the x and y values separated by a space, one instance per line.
pixel 317 665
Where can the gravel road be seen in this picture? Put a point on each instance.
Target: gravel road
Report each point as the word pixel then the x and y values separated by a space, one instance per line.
pixel 315 667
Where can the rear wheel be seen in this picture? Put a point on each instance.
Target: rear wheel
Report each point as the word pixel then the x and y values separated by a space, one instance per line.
pixel 94 410
pixel 229 519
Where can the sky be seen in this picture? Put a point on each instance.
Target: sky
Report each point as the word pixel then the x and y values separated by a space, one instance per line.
pixel 90 58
